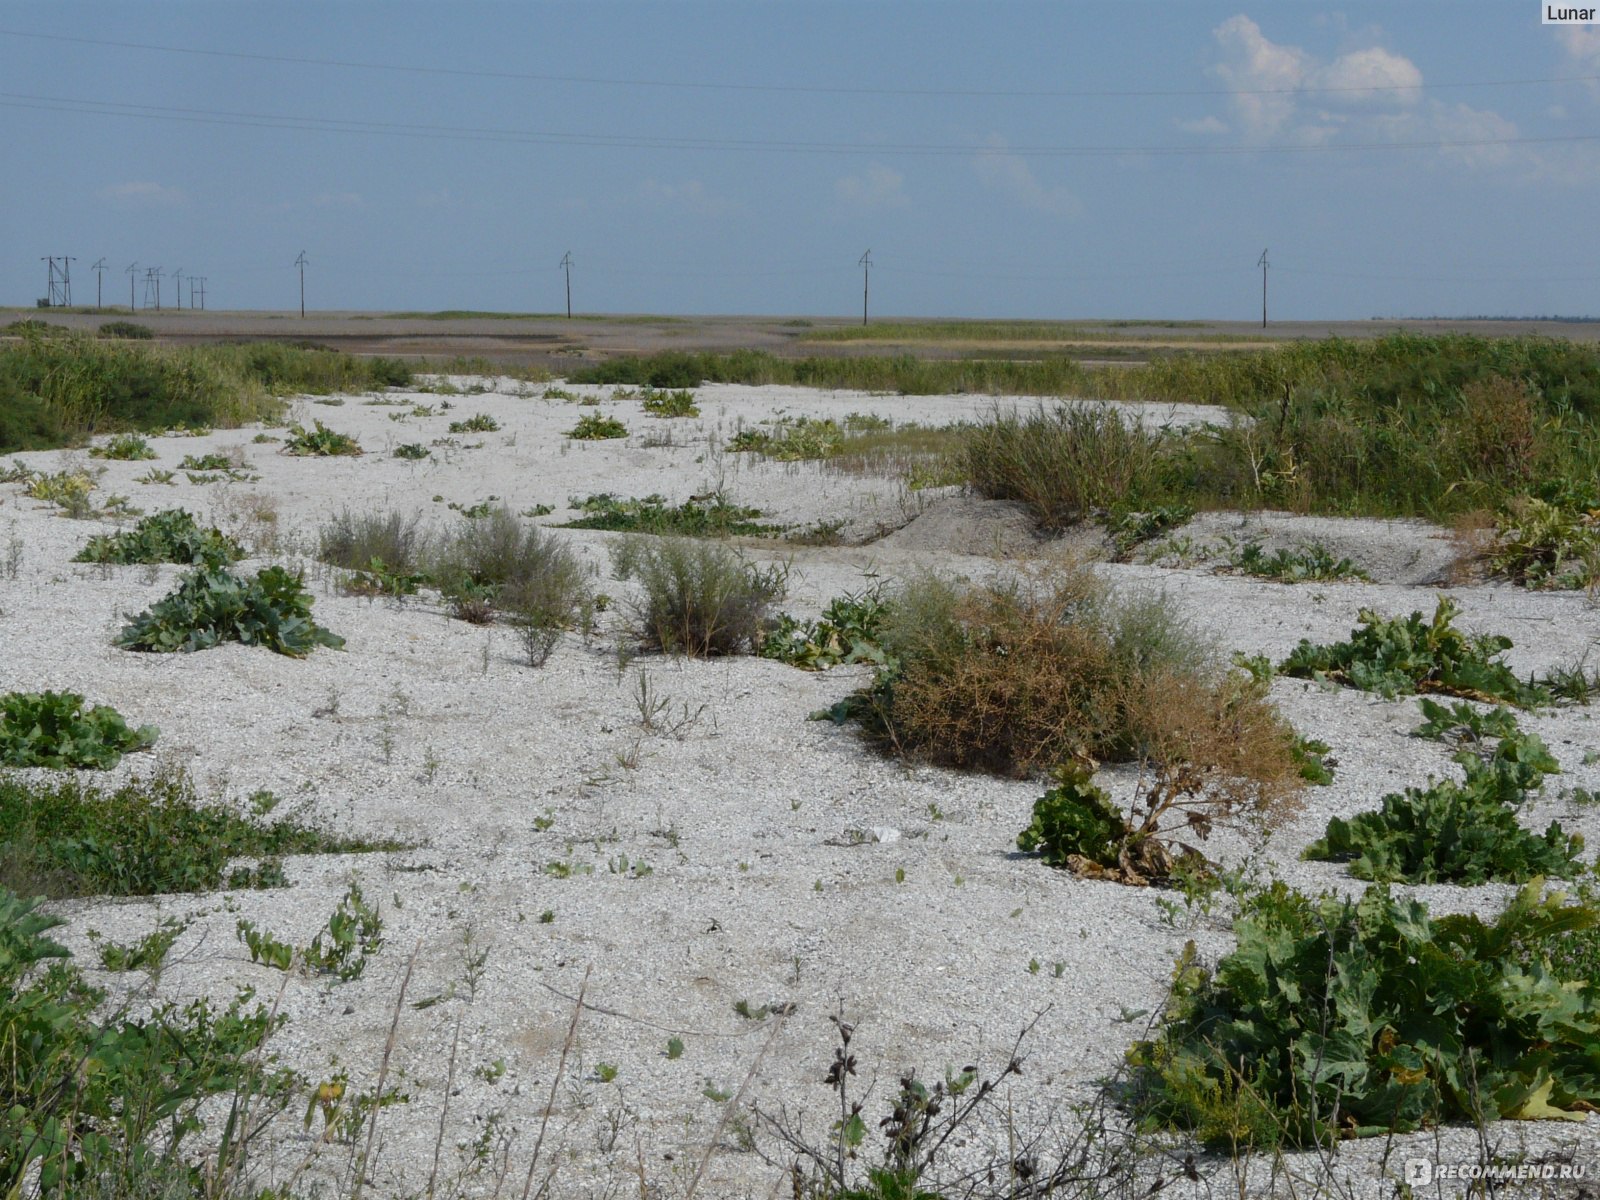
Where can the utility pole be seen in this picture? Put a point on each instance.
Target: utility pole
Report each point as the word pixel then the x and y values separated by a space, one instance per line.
pixel 202 292
pixel 865 263
pixel 177 285
pixel 60 293
pixel 152 286
pixel 1263 264
pixel 301 263
pixel 566 265
pixel 132 267
pixel 99 270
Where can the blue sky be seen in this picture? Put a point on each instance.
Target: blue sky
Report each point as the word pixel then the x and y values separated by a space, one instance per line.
pixel 1076 158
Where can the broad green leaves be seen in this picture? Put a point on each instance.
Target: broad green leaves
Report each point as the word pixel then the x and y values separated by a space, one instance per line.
pixel 212 605
pixel 54 729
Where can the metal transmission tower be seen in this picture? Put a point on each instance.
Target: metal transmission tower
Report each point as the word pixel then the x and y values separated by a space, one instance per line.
pixel 132 268
pixel 60 294
pixel 177 285
pixel 152 286
pixel 99 270
pixel 865 263
pixel 566 265
pixel 202 292
pixel 301 263
pixel 1263 264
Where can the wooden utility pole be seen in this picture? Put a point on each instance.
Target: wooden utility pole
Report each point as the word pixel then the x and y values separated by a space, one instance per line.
pixel 1263 264
pixel 566 265
pixel 301 263
pixel 865 263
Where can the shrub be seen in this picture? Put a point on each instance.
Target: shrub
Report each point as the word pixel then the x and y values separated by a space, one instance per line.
pixel 144 837
pixel 700 598
pixel 1064 463
pixel 171 535
pixel 53 729
pixel 478 423
pixel 792 439
pixel 1458 833
pixel 125 447
pixel 1392 656
pixel 498 563
pixel 211 605
pixel 593 427
pixel 414 451
pixel 209 462
pixel 101 1103
pixel 320 442
pixel 386 553
pixel 678 403
pixel 1339 1017
pixel 713 516
pixel 130 330
pixel 1026 672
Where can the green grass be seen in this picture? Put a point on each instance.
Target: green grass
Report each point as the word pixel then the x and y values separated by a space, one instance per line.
pixel 60 389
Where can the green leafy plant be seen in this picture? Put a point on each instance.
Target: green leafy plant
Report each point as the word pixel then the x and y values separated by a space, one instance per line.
pixel 792 439
pixel 385 553
pixel 676 403
pixel 847 632
pixel 211 605
pixel 149 953
pixel 264 947
pixel 105 1102
pixel 125 447
pixel 354 931
pixel 593 427
pixel 707 516
pixel 1463 723
pixel 1392 656
pixel 1338 1017
pixel 413 451
pixel 477 423
pixel 1543 545
pixel 172 535
pixel 155 475
pixel 208 462
pixel 1311 563
pixel 1463 833
pixel 320 442
pixel 54 729
pixel 131 330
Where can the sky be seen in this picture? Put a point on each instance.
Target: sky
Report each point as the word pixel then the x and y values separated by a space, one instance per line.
pixel 1070 159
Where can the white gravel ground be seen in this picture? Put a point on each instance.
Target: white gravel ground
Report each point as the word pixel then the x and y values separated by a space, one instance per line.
pixel 432 731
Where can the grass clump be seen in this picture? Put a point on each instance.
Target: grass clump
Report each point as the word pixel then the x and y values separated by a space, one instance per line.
pixel 124 447
pixel 1311 563
pixel 1338 1017
pixel 1026 672
pixel 592 427
pixel 713 516
pixel 62 837
pixel 700 598
pixel 1066 463
pixel 320 442
pixel 495 563
pixel 104 1103
pixel 1400 655
pixel 678 402
pixel 170 536
pixel 384 553
pixel 54 729
pixel 1464 833
pixel 211 605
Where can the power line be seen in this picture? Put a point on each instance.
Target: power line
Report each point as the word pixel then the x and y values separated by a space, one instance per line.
pixel 802 89
pixel 753 145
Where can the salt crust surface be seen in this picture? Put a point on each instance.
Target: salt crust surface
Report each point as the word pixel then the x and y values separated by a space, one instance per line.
pixel 433 731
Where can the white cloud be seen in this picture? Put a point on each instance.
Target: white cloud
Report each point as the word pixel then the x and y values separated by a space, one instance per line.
pixel 144 194
pixel 1580 43
pixel 1262 75
pixel 1393 76
pixel 1009 174
pixel 690 196
pixel 876 187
